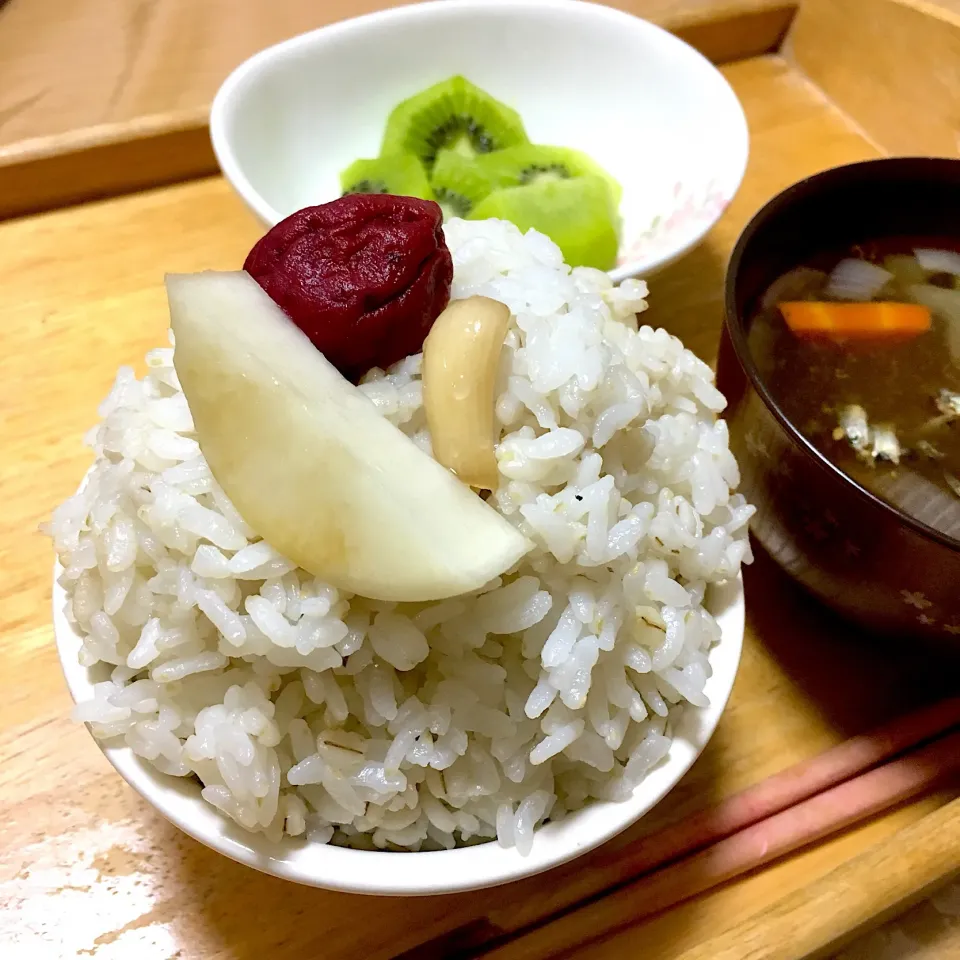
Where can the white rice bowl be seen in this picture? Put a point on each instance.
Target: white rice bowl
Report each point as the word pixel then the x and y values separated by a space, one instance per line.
pixel 543 714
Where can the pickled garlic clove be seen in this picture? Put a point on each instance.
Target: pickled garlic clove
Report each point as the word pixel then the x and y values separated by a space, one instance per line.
pixel 461 356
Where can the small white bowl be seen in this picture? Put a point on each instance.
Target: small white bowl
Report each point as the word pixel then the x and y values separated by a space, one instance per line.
pixel 414 874
pixel 645 105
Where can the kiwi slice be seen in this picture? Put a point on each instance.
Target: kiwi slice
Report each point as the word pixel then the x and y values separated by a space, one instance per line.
pixel 458 185
pixel 578 214
pixel 530 163
pixel 453 115
pixel 401 174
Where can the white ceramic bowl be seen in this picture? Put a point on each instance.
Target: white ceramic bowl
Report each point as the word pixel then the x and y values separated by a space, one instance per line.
pixel 411 874
pixel 643 104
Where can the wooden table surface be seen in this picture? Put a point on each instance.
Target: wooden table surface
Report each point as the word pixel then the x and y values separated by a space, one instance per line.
pixel 87 869
pixel 70 64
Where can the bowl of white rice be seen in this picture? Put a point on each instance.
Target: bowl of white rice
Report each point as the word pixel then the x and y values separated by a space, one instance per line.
pixel 407 749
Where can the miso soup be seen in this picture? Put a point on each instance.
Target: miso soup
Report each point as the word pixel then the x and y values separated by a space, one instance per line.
pixel 861 350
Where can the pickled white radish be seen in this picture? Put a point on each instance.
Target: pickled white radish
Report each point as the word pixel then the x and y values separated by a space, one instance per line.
pixel 310 463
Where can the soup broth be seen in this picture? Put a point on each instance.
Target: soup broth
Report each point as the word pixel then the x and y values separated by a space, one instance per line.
pixel 861 349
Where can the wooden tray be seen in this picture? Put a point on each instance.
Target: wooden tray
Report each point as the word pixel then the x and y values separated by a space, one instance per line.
pixel 86 867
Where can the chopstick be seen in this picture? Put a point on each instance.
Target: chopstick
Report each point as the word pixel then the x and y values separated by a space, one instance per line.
pixel 761 839
pixel 765 799
pixel 819 816
pixel 879 883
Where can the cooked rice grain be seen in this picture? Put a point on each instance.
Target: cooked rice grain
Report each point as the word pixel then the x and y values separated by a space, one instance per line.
pixel 304 711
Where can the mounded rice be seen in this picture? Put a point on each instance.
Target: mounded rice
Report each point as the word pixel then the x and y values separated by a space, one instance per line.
pixel 307 712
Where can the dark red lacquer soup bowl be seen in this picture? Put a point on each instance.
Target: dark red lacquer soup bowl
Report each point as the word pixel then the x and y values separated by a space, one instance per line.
pixel 879 565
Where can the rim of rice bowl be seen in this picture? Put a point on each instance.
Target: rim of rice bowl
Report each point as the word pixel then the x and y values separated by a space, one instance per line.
pixel 319 734
pixel 409 873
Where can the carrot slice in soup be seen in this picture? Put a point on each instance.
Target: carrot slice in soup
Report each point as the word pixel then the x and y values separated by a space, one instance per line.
pixel 856 321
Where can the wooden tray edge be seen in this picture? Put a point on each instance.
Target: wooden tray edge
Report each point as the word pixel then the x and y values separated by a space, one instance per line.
pixel 114 159
pixel 104 161
pixel 888 65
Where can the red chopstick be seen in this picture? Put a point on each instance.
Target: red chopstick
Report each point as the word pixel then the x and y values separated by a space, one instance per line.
pixel 819 816
pixel 764 800
pixel 791 786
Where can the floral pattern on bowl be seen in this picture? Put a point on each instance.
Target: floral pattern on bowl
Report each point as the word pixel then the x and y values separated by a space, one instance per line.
pixel 693 212
pixel 929 614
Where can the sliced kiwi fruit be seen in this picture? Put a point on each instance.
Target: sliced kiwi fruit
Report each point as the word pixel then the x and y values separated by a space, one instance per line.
pixel 578 214
pixel 401 174
pixel 453 115
pixel 458 185
pixel 529 163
